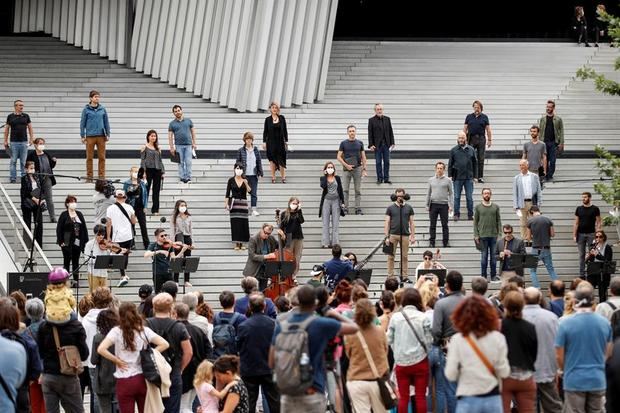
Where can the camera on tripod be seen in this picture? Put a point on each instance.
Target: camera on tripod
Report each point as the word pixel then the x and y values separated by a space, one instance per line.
pixel 108 189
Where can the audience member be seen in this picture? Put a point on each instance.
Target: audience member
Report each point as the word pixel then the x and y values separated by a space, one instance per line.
pixel 13 366
pixel 556 295
pixel 226 369
pixel 479 285
pixel 103 381
pixel 191 300
pixel 606 308
pixel 249 285
pixel 337 268
pixel 226 326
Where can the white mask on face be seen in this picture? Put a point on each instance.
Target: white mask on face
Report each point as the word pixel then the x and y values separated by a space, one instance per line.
pixel 330 170
pixel 41 147
pixel 182 209
pixel 293 207
pixel 72 205
pixel 134 175
pixel 238 172
pixel 30 171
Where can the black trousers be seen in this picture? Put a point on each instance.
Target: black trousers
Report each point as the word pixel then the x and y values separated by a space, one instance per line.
pixel 71 257
pixel 186 239
pixel 479 143
pixel 142 223
pixel 270 391
pixel 28 215
pixel 153 176
pixel 440 210
pixel 159 280
pixel 127 245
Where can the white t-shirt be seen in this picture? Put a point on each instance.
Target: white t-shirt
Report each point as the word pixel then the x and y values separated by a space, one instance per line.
pixel 120 224
pixel 132 358
pixel 527 185
pixel 208 403
pixel 93 249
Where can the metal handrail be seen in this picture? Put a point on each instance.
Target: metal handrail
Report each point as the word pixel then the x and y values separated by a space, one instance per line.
pixel 20 228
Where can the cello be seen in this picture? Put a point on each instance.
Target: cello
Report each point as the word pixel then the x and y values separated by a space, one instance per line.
pixel 280 284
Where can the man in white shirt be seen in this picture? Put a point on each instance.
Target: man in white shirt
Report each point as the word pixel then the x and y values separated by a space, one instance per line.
pixel 120 219
pixel 607 308
pixel 526 192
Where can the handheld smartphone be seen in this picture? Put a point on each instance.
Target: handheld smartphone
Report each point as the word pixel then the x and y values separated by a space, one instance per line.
pixel 29 296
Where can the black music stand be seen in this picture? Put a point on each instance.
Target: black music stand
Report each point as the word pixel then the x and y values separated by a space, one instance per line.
pixel 439 272
pixel 283 269
pixel 364 274
pixel 111 262
pixel 521 261
pixel 596 269
pixel 184 264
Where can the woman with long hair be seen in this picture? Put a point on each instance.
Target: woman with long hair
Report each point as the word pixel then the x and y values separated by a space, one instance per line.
pixel 137 193
pixel 226 370
pixel 477 339
pixel 236 202
pixel 580 26
pixel 71 235
pixel 249 156
pixel 104 382
pixel 290 230
pixel 181 229
pixel 601 252
pixel 332 204
pixel 522 348
pixel 128 338
pixel 275 141
pixel 151 161
pixel 367 353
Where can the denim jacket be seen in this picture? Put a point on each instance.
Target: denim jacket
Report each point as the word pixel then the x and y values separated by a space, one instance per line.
pixel 407 349
pixel 94 122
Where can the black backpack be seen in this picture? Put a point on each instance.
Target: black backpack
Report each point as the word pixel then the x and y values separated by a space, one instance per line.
pixel 224 335
pixel 614 320
pixel 165 331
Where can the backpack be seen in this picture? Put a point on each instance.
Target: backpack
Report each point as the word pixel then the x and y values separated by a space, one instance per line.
pixel 224 335
pixel 292 368
pixel 614 320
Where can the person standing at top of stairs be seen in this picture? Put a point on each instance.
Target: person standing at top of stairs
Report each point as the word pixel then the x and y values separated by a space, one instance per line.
pixel 95 131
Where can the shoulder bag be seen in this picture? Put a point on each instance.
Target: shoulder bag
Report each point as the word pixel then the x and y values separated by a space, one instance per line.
pixel 148 363
pixel 386 389
pixel 69 357
pixel 422 343
pixel 483 358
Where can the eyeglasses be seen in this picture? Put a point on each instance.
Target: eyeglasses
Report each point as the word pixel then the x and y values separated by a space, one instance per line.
pixel 507 232
pixel 163 235
pixel 427 258
pixel 598 236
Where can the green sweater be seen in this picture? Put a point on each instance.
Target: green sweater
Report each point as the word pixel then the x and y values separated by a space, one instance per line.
pixel 487 221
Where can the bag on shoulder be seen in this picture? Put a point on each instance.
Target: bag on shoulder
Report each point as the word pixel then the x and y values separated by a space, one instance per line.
pixel 224 335
pixel 171 354
pixel 614 320
pixel 149 365
pixel 69 357
pixel 293 370
pixel 388 393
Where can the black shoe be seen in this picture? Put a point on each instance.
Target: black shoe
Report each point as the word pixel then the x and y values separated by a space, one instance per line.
pixel 387 181
pixel 379 181
pixel 52 219
pixel 12 181
pixel 495 279
pixel 588 45
pixel 470 218
pixel 446 245
pixel 358 211
pixel 456 218
pixel 345 211
pixel 431 244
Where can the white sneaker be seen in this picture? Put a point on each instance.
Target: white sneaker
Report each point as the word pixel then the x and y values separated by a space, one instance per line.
pixel 255 212
pixel 123 281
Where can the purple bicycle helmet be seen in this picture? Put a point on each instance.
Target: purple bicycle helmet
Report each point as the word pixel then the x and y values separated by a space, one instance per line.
pixel 57 275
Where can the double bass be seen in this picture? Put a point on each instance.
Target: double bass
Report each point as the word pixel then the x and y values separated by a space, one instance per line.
pixel 280 284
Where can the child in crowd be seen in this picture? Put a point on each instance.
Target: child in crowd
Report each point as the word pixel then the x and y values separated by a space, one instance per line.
pixel 59 299
pixel 207 394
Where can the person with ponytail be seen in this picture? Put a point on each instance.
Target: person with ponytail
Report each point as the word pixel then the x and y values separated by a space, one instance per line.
pixel 332 205
pixel 128 338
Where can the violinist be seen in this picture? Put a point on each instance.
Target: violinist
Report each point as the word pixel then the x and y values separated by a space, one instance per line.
pixel 429 262
pixel 162 251
pixel 260 248
pixel 94 248
pixel 600 251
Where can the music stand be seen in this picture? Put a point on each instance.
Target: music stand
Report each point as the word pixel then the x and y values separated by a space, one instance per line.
pixel 111 262
pixel 364 274
pixel 439 272
pixel 184 264
pixel 521 261
pixel 283 269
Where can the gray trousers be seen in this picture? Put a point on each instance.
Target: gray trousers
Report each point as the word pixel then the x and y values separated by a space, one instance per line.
pixel 60 389
pixel 584 401
pixel 356 174
pixel 312 403
pixel 583 242
pixel 94 400
pixel 548 397
pixel 330 214
pixel 48 195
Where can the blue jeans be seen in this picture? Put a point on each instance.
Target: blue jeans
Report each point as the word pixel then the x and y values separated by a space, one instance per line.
pixel 185 166
pixel 488 252
pixel 448 387
pixel 552 155
pixel 253 181
pixel 94 400
pixel 434 363
pixel 473 404
pixel 544 255
pixel 19 150
pixel 172 404
pixel 468 184
pixel 382 162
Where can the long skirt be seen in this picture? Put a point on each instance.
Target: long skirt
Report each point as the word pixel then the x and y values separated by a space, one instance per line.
pixel 239 224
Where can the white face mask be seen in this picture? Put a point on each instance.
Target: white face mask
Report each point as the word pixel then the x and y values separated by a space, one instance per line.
pixel 72 205
pixel 30 171
pixel 330 170
pixel 134 175
pixel 293 207
pixel 182 209
pixel 238 172
pixel 41 147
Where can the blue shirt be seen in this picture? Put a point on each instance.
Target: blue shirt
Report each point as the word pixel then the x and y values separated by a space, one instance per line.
pixel 182 130
pixel 94 121
pixel 584 337
pixel 557 307
pixel 241 305
pixel 13 368
pixel 335 270
pixel 476 125
pixel 320 332
pixel 253 341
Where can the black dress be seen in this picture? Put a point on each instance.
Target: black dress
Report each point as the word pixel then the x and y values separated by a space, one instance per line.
pixel 275 136
pixel 238 208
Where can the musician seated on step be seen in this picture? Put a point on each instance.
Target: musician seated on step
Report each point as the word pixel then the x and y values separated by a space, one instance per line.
pixel 429 263
pixel 261 247
pixel 337 268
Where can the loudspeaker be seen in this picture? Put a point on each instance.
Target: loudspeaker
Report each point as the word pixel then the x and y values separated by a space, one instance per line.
pixel 34 283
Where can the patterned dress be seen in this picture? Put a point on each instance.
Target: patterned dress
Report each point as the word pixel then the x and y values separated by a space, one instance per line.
pixel 238 209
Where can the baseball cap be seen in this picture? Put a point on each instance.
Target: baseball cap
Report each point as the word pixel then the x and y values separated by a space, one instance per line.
pixel 119 192
pixel 145 290
pixel 316 270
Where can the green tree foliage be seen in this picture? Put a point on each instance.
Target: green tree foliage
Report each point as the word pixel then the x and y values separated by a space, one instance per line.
pixel 609 189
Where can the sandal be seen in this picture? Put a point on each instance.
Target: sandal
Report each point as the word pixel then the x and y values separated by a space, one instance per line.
pixel 273 180
pixel 283 180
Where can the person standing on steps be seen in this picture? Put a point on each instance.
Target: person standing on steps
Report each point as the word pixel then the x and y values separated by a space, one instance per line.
pixel 399 228
pixel 275 141
pixel 151 161
pixel 439 202
pixel 182 139
pixel 487 227
pixel 540 230
pixel 526 192
pixel 181 231
pixel 535 152
pixel 381 141
pixel 120 219
pixel 137 194
pixel 44 163
pixel 249 156
pixel 587 222
pixel 479 135
pixel 18 125
pixel 552 128
pixel 352 157
pixel 95 131
pixel 71 236
pixel 290 229
pixel 236 202
pixel 332 205
pixel 463 168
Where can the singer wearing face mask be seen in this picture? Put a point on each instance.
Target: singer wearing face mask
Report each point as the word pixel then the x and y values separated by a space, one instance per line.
pixel 137 194
pixel 181 230
pixel 249 156
pixel 290 229
pixel 44 164
pixel 332 205
pixel 71 235
pixel 31 202
pixel 236 202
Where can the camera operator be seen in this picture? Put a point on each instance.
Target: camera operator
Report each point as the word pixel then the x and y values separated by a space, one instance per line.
pixel 135 188
pixel 102 199
pixel 399 227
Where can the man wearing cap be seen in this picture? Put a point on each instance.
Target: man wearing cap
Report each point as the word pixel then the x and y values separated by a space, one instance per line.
pixel 582 345
pixel 317 274
pixel 337 268
pixel 540 230
pixel 121 218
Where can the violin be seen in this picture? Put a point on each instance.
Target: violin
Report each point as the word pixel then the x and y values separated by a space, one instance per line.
pixel 110 246
pixel 175 245
pixel 280 285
